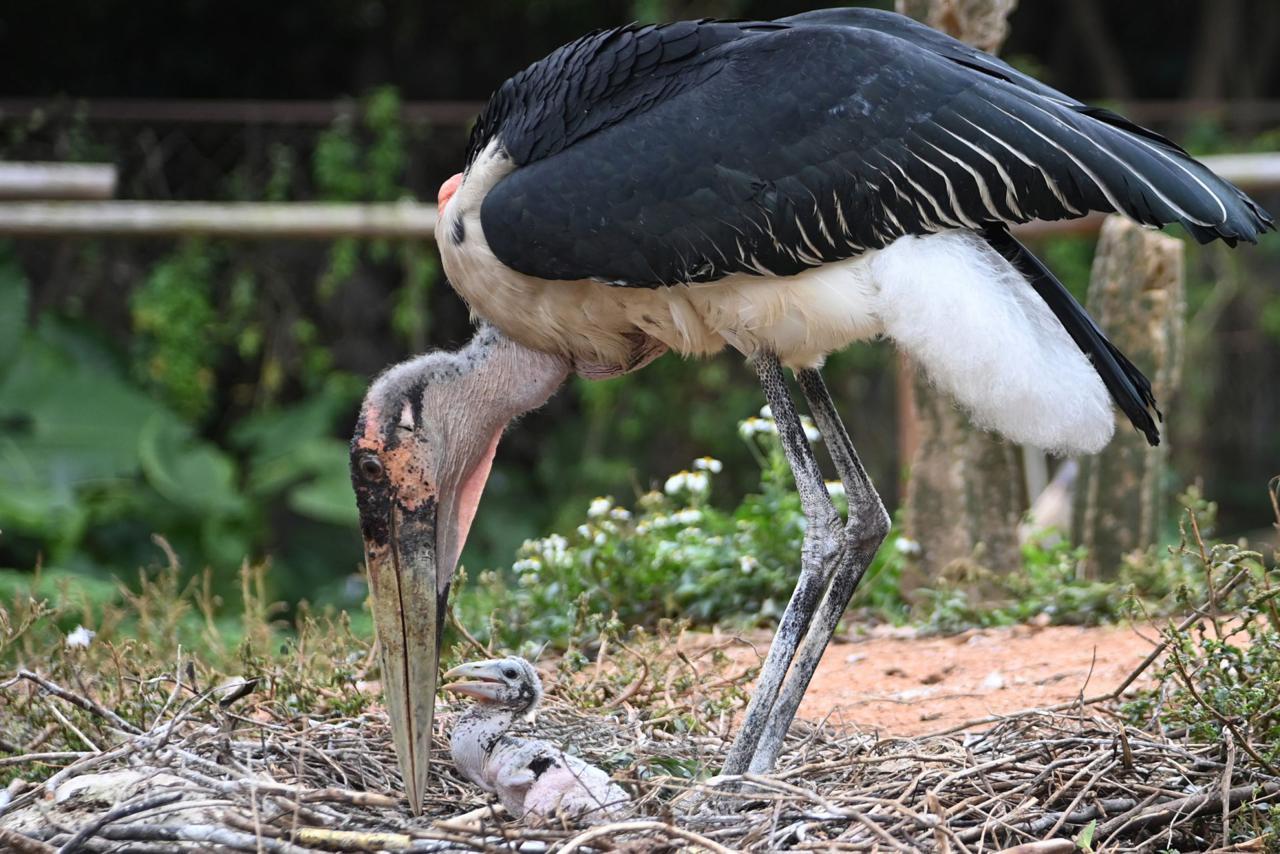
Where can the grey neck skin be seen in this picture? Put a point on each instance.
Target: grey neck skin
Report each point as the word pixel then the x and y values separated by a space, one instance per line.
pixel 474 736
pixel 508 379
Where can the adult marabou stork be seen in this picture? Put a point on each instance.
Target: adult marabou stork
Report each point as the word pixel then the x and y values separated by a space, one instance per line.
pixel 784 188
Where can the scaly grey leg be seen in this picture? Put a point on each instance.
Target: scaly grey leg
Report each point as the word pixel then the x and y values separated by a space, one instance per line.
pixel 821 541
pixel 866 528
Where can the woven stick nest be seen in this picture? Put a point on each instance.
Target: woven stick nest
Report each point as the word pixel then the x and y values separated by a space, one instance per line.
pixel 213 772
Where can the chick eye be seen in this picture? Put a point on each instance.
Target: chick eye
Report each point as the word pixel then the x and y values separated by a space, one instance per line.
pixel 509 672
pixel 370 468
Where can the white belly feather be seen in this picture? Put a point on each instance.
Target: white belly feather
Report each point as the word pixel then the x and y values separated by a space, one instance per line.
pixel 954 304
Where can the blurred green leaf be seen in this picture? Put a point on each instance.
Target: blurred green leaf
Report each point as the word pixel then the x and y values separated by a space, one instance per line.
pixel 13 309
pixel 67 422
pixel 326 498
pixel 186 471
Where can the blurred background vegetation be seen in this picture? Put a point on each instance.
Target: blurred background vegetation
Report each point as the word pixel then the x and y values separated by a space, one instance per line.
pixel 198 395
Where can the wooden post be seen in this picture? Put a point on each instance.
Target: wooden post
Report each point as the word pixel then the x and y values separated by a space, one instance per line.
pixel 964 497
pixel 1136 295
pixel 965 493
pixel 981 23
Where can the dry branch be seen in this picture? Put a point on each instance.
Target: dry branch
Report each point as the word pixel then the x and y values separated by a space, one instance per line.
pixel 239 779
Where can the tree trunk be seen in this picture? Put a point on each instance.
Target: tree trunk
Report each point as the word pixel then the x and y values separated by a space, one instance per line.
pixel 965 495
pixel 1136 295
pixel 981 23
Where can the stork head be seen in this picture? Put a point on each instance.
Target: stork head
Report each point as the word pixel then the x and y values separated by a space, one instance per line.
pixel 421 454
pixel 508 683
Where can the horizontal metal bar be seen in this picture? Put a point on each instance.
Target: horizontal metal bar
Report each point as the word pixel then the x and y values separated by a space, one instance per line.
pixel 241 220
pixel 146 111
pixel 57 181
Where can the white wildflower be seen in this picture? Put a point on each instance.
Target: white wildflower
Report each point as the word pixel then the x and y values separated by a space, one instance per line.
pixel 810 429
pixel 907 546
pixel 80 638
pixel 688 516
pixel 620 514
pixel 710 464
pixel 835 489
pixel 677 483
pixel 752 426
pixel 766 411
pixel 599 507
pixel 748 564
pixel 697 482
pixel 584 531
pixel 528 564
pixel 599 539
pixel 554 548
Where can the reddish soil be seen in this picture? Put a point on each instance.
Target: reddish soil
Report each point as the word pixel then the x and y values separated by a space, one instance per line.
pixel 904 685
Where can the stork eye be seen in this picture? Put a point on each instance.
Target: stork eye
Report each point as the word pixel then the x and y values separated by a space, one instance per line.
pixel 370 468
pixel 509 672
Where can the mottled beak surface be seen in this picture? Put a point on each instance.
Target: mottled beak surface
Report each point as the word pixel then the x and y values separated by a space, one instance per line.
pixel 408 616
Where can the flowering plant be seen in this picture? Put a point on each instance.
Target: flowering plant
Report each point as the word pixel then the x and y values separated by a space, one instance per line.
pixel 674 554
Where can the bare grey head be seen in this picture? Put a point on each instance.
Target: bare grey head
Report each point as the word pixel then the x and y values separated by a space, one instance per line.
pixel 510 684
pixel 420 457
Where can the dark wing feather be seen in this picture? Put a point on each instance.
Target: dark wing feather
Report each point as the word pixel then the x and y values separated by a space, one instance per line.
pixel 943 45
pixel 772 148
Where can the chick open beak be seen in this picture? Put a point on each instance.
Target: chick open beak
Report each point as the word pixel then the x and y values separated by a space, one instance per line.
pixel 483 681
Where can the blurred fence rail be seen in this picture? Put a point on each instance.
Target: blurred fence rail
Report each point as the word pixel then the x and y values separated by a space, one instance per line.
pixel 403 220
pixel 57 181
pixel 232 112
pixel 242 220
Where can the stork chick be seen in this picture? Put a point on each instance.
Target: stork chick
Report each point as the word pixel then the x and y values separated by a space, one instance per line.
pixel 531 777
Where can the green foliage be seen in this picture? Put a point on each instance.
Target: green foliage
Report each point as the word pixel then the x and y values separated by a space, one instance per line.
pixel 1220 677
pixel 1155 582
pixel 175 329
pixel 366 163
pixel 91 465
pixel 674 555
pixel 1049 587
pixel 215 416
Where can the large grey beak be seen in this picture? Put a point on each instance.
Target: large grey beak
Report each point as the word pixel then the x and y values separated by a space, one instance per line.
pixel 409 598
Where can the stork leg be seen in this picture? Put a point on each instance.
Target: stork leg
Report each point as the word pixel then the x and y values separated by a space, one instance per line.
pixel 822 542
pixel 864 531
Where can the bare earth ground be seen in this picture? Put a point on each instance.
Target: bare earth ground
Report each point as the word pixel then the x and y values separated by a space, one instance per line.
pixel 903 685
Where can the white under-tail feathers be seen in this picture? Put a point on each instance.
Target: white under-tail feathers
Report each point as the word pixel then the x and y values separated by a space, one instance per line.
pixel 956 306
pixel 985 337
